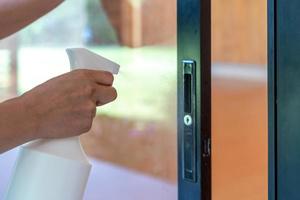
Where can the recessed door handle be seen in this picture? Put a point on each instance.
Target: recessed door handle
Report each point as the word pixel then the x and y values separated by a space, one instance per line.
pixel 189 136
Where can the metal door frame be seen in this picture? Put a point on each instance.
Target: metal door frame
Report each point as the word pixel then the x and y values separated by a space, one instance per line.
pixel 194 44
pixel 272 96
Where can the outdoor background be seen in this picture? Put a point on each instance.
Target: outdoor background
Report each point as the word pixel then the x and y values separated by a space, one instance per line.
pixel 133 141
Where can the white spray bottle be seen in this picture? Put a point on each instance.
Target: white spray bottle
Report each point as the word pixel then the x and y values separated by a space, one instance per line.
pixel 56 169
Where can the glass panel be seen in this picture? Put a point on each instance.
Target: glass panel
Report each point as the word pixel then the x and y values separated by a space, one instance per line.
pixel 8 77
pixel 239 100
pixel 132 144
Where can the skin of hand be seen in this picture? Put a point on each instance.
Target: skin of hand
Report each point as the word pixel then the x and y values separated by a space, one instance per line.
pixel 16 14
pixel 66 105
pixel 61 107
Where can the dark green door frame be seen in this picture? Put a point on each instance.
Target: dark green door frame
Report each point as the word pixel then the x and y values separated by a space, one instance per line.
pixel 272 109
pixel 194 99
pixel 284 99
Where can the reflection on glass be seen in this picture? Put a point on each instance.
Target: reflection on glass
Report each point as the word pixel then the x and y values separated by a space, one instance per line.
pixel 239 100
pixel 132 144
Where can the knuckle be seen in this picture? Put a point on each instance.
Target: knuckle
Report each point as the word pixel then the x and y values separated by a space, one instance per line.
pixel 82 73
pixel 88 89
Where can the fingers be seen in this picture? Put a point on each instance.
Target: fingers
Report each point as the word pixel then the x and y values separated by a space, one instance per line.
pixel 101 77
pixel 100 86
pixel 104 94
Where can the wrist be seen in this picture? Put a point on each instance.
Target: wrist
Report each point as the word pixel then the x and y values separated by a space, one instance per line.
pixel 17 126
pixel 27 117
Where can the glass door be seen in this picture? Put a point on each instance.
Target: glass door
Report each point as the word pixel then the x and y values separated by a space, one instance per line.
pixel 132 145
pixel 239 100
pixel 284 93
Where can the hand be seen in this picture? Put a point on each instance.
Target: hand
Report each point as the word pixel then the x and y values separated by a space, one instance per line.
pixel 66 105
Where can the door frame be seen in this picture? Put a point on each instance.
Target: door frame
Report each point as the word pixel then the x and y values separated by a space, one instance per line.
pixel 194 44
pixel 272 96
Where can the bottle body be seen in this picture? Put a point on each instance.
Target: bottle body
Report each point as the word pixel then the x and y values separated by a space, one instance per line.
pixel 45 175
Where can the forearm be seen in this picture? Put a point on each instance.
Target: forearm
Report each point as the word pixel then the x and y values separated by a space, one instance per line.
pixel 16 14
pixel 17 125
